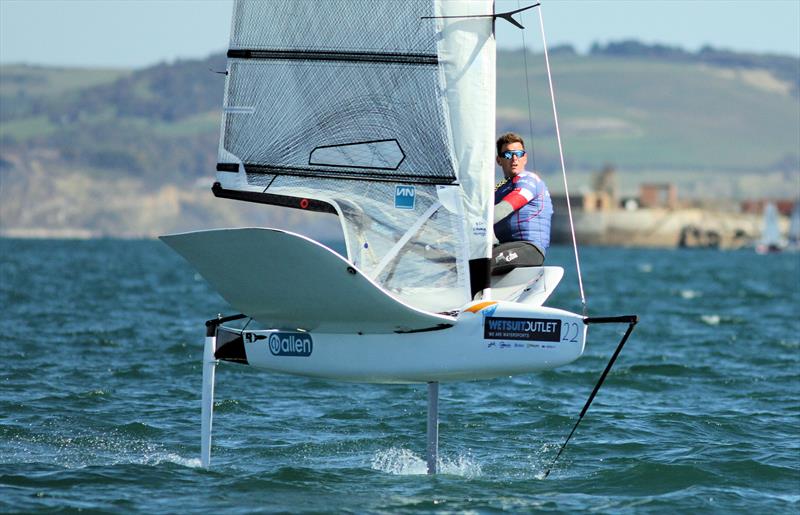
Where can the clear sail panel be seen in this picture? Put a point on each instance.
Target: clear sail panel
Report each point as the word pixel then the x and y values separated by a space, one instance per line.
pixel 339 25
pixel 338 119
pixel 401 236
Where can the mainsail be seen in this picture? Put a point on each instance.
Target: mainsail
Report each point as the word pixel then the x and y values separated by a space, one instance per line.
pixel 381 112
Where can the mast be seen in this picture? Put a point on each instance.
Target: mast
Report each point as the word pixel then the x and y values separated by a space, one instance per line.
pixel 468 52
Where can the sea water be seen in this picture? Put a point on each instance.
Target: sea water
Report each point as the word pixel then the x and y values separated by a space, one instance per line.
pixel 101 374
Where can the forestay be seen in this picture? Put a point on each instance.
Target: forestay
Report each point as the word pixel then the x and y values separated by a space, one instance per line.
pixel 385 111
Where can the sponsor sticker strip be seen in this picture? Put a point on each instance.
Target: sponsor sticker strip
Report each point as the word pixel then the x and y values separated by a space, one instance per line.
pixel 285 344
pixel 530 329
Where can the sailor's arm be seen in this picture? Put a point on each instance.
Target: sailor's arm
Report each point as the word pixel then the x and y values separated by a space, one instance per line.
pixel 502 209
pixel 511 202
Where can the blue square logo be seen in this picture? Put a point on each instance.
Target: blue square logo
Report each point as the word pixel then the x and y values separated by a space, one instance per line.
pixel 404 197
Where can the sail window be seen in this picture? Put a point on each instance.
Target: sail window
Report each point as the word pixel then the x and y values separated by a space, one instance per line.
pixel 380 154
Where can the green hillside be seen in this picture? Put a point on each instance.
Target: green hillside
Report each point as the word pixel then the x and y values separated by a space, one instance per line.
pixel 155 124
pixel 71 137
pixel 28 96
pixel 648 114
pixel 633 111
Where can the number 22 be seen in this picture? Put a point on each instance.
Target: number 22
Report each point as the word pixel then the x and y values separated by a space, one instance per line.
pixel 568 328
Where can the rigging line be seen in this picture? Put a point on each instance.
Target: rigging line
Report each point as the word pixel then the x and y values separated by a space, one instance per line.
pixel 563 167
pixel 528 92
pixel 270 183
pixel 508 16
pixel 245 325
pixel 631 320
pixel 530 122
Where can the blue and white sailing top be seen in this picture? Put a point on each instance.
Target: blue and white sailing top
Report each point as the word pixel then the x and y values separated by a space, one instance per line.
pixel 533 209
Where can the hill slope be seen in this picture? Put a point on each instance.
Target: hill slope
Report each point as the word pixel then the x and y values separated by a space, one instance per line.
pixel 120 152
pixel 644 114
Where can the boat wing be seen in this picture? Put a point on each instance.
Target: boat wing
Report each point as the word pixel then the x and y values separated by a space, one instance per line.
pixel 288 281
pixel 528 285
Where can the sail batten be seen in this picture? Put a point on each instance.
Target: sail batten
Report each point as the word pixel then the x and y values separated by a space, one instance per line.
pixel 377 174
pixel 322 55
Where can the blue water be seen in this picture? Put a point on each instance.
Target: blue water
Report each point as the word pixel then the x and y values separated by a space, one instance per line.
pixel 101 376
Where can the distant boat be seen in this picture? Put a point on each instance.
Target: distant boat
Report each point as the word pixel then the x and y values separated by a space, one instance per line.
pixel 771 240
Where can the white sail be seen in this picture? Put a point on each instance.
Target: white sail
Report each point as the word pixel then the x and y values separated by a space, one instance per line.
pixel 467 50
pixel 771 232
pixel 379 111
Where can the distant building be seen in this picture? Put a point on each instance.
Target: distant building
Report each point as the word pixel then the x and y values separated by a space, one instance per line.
pixel 658 195
pixel 756 207
pixel 655 219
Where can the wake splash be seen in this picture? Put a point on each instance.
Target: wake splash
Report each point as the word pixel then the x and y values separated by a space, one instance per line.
pixel 167 457
pixel 86 449
pixel 403 462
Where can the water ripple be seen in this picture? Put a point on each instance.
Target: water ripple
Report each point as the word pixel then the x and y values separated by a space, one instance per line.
pixel 700 413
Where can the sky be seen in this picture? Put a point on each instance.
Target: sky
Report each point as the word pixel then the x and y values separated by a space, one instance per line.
pixel 139 33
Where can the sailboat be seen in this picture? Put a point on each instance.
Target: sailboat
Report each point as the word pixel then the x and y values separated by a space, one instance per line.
pixel 382 114
pixel 771 240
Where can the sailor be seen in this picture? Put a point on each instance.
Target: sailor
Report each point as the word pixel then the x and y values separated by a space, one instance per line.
pixel 522 210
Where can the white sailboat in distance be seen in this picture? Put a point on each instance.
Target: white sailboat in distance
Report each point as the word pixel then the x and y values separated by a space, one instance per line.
pixel 771 240
pixel 381 113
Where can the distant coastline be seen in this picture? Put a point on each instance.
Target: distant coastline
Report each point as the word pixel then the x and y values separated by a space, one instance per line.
pixel 94 153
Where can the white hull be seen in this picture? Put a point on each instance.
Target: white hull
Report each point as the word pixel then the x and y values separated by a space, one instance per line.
pixel 337 323
pixel 468 350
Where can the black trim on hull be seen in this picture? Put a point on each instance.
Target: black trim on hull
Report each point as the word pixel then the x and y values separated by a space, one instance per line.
pixel 230 346
pixel 437 327
pixel 211 325
pixel 274 200
pixel 323 55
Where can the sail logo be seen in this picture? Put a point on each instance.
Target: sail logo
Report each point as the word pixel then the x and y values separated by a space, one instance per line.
pixel 291 344
pixel 405 197
pixel 479 228
pixel 539 329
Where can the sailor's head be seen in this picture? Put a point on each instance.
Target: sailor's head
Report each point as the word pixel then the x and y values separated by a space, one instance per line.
pixel 511 155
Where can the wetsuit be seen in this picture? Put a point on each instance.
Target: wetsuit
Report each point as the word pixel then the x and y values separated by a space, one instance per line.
pixel 533 209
